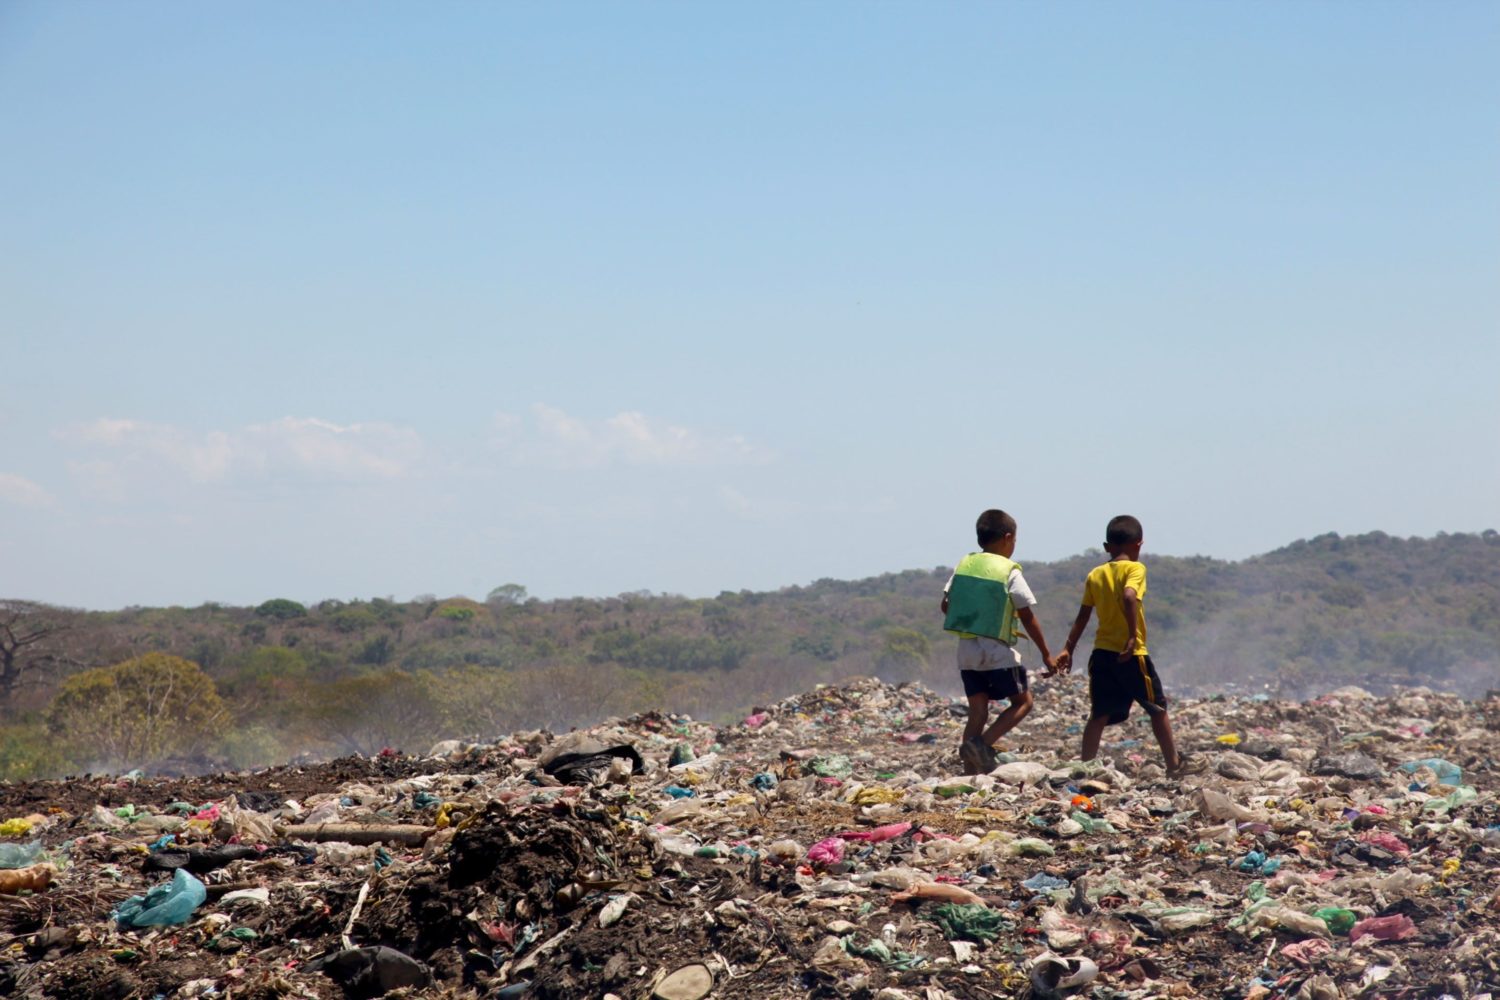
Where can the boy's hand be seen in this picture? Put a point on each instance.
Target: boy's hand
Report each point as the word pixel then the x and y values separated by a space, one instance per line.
pixel 1129 651
pixel 1063 662
pixel 1051 663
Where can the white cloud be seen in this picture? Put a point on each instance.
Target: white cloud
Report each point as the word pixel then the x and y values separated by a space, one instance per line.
pixel 775 508
pixel 22 492
pixel 552 438
pixel 355 452
pixel 299 447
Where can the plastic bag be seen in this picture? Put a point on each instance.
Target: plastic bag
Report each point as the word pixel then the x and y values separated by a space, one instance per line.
pixel 1042 882
pixel 18 827
pixel 1447 773
pixel 969 922
pixel 679 809
pixel 165 905
pixel 1175 921
pixel 829 851
pixel 371 972
pixel 20 855
pixel 1393 928
pixel 1459 796
pixel 1220 806
pixel 1338 919
pixel 1031 847
pixel 834 765
pixel 1021 772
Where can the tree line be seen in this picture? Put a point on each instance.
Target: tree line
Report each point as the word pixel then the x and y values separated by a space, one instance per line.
pixel 227 687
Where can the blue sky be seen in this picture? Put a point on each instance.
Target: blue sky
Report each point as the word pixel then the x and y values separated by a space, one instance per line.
pixel 313 300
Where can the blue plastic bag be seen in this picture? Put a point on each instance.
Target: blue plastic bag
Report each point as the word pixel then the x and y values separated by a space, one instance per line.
pixel 1447 772
pixel 1043 882
pixel 20 855
pixel 168 904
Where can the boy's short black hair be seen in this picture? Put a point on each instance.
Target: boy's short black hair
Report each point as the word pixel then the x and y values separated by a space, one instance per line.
pixel 994 525
pixel 1123 530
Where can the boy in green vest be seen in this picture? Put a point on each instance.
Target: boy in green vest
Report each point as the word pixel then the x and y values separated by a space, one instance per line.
pixel 1120 670
pixel 984 599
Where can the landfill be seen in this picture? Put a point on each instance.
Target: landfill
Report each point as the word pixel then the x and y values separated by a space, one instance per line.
pixel 829 845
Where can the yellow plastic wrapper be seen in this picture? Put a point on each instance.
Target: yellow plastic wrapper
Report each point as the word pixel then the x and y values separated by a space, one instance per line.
pixel 876 796
pixel 17 827
pixel 1230 739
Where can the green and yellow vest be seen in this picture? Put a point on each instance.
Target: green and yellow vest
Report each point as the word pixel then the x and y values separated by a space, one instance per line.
pixel 979 600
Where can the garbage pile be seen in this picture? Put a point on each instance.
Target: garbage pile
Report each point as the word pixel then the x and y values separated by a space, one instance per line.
pixel 825 846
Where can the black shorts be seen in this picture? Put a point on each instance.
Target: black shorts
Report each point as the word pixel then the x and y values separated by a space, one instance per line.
pixel 1006 682
pixel 1114 685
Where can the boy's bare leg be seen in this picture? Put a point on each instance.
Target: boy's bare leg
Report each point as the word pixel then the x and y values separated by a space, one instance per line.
pixel 979 711
pixel 1020 707
pixel 1161 725
pixel 1091 735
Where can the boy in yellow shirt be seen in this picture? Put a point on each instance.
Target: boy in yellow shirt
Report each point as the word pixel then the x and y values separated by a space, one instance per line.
pixel 1120 669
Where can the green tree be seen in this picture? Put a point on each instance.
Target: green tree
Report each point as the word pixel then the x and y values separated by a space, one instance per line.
pixel 377 651
pixel 367 713
pixel 281 608
pixel 353 619
pixel 27 751
pixel 136 713
pixel 506 594
pixel 264 680
pixel 903 654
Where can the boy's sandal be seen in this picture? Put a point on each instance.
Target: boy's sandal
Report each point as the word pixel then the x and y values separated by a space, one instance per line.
pixel 968 753
pixel 1186 764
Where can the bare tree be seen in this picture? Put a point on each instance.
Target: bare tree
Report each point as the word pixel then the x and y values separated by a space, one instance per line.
pixel 25 627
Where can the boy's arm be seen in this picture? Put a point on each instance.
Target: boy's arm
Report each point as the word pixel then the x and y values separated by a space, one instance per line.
pixel 1132 603
pixel 1065 658
pixel 1034 629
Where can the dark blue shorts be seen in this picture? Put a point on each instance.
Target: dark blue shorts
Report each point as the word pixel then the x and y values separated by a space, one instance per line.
pixel 1007 682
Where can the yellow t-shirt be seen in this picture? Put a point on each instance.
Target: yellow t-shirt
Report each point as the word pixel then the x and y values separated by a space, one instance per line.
pixel 1104 591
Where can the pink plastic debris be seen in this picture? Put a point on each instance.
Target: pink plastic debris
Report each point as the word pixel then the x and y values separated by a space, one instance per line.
pixel 1394 928
pixel 1388 841
pixel 826 852
pixel 757 720
pixel 878 835
pixel 1308 951
pixel 211 814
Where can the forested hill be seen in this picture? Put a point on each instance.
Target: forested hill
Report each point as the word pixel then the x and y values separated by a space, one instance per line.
pixel 256 684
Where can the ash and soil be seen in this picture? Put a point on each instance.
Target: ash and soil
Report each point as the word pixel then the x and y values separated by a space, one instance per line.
pixel 517 870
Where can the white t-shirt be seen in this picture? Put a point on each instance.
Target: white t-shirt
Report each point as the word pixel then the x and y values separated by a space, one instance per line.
pixel 992 654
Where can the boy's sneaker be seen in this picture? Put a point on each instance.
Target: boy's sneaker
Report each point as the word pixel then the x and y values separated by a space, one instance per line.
pixel 972 756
